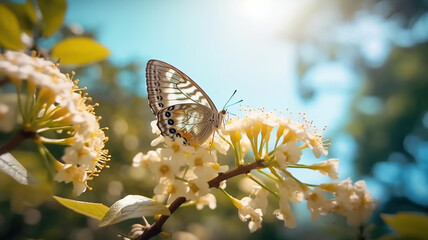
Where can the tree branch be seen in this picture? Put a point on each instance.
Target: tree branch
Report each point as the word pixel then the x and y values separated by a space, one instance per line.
pixel 4 81
pixel 16 141
pixel 156 228
pixel 244 169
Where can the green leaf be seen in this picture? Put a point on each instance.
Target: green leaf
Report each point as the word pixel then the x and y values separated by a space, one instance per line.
pixel 408 224
pixel 11 166
pixel 10 32
pixel 79 51
pixel 133 206
pixel 25 13
pixel 93 210
pixel 53 12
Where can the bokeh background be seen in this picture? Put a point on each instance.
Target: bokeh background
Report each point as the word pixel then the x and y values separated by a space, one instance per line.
pixel 357 67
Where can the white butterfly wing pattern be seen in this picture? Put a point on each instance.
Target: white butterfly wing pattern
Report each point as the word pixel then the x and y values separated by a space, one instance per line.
pixel 182 108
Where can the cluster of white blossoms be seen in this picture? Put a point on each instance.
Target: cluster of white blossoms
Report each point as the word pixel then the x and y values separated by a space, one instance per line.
pixel 50 101
pixel 257 132
pixel 182 171
pixel 273 145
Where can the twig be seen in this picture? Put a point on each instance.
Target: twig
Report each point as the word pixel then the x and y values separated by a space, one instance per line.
pixel 4 81
pixel 156 228
pixel 244 169
pixel 16 141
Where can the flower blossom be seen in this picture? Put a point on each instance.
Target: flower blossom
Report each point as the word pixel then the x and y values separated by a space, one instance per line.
pixel 272 146
pixel 182 170
pixel 54 103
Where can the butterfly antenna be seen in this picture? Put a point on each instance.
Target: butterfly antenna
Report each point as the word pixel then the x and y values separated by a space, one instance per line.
pixel 234 103
pixel 233 94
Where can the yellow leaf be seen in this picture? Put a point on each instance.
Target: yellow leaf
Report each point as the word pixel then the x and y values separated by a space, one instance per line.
pixel 408 224
pixel 53 12
pixel 79 51
pixel 10 32
pixel 94 210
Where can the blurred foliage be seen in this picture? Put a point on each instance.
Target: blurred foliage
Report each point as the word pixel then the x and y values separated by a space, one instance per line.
pixel 407 225
pixel 53 12
pixel 9 25
pixel 401 86
pixel 388 114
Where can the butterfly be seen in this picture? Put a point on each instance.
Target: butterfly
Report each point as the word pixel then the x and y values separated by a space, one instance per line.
pixel 182 108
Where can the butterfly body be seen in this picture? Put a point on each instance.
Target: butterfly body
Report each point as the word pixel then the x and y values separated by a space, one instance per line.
pixel 182 108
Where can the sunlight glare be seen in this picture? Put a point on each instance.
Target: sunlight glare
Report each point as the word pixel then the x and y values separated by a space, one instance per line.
pixel 257 9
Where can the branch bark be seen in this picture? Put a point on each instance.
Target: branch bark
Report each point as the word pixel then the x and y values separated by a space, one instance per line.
pixel 156 228
pixel 16 141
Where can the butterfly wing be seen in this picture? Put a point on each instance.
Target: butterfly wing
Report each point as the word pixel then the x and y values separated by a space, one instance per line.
pixel 168 86
pixel 191 121
pixel 182 108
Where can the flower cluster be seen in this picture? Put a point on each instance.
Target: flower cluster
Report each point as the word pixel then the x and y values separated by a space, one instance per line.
pixel 266 147
pixel 50 101
pixel 278 143
pixel 182 171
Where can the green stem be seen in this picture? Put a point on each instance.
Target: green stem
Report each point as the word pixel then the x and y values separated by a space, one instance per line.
pixel 298 166
pixel 262 185
pixel 18 95
pixel 46 155
pixel 274 178
pixel 42 130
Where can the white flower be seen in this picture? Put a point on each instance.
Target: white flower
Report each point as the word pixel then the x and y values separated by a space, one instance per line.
pixel 204 164
pixel 290 190
pixel 58 104
pixel 207 200
pixel 245 145
pixel 360 205
pixel 169 189
pixel 246 211
pixel 220 145
pixel 259 196
pixel 328 168
pixel 145 159
pixel 364 206
pixel 164 168
pixel 292 131
pixel 314 140
pixel 197 188
pixel 354 202
pixel 176 150
pixel 317 203
pixel 285 214
pixel 288 153
pixel 72 173
pixel 155 130
pixel 18 66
